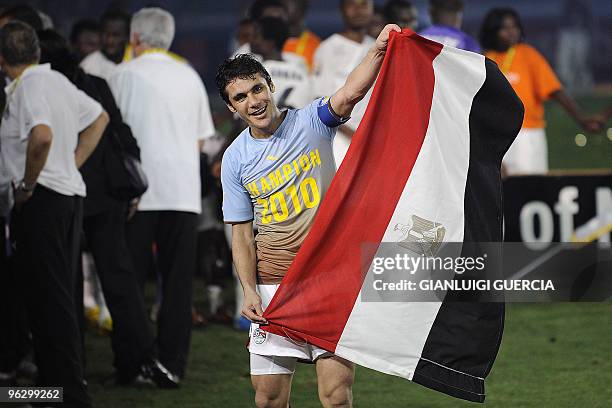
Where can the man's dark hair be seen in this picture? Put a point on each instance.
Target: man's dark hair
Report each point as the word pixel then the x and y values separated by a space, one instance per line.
pixel 54 50
pixel 19 44
pixel 116 15
pixel 492 24
pixel 274 29
pixel 23 13
pixel 453 6
pixel 392 8
pixel 257 8
pixel 242 66
pixel 82 26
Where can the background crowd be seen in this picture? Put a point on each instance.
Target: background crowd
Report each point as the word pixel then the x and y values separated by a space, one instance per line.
pixel 110 164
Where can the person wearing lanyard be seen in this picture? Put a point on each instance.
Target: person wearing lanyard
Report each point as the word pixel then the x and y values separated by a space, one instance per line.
pixel 501 37
pixel 49 128
pixel 165 104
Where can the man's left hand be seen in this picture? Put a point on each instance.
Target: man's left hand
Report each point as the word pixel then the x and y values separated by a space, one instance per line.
pixel 383 37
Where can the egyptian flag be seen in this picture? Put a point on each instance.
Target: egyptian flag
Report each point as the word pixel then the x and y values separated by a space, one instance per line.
pixel 426 155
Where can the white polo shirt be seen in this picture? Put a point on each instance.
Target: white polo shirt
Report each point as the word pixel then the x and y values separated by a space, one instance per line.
pixel 97 64
pixel 42 96
pixel 165 103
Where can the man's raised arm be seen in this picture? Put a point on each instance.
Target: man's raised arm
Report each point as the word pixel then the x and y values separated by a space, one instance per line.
pixel 360 80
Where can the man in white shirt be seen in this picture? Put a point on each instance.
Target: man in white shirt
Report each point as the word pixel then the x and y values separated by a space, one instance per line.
pixel 49 128
pixel 115 32
pixel 292 85
pixel 165 104
pixel 337 56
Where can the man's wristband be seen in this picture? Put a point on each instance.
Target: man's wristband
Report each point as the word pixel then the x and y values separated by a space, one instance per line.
pixel 23 186
pixel 327 115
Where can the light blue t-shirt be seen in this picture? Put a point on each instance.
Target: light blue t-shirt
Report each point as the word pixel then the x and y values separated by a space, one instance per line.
pixel 279 183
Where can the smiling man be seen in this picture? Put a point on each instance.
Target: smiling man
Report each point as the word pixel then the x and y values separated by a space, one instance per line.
pixel 115 35
pixel 276 172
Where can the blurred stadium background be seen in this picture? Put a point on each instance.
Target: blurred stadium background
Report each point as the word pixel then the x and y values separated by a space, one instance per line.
pixel 556 355
pixel 204 29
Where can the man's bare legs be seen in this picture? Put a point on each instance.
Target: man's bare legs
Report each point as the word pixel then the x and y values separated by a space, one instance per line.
pixel 272 391
pixel 335 378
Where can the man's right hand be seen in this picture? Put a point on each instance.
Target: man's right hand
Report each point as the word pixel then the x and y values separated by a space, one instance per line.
pixel 251 307
pixel 133 208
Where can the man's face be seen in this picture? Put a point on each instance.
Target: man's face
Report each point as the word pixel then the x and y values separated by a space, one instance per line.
pixel 407 17
pixel 357 13
pixel 87 42
pixel 509 33
pixel 115 35
pixel 252 100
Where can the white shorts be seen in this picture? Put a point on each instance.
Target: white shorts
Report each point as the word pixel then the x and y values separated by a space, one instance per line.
pixel 273 354
pixel 528 154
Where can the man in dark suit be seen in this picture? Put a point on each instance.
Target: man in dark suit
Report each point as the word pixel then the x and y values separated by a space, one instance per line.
pixel 104 226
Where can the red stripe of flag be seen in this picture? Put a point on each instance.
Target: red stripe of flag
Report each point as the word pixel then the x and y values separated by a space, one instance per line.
pixel 318 292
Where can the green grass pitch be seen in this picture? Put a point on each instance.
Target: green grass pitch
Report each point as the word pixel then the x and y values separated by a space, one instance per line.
pixel 552 355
